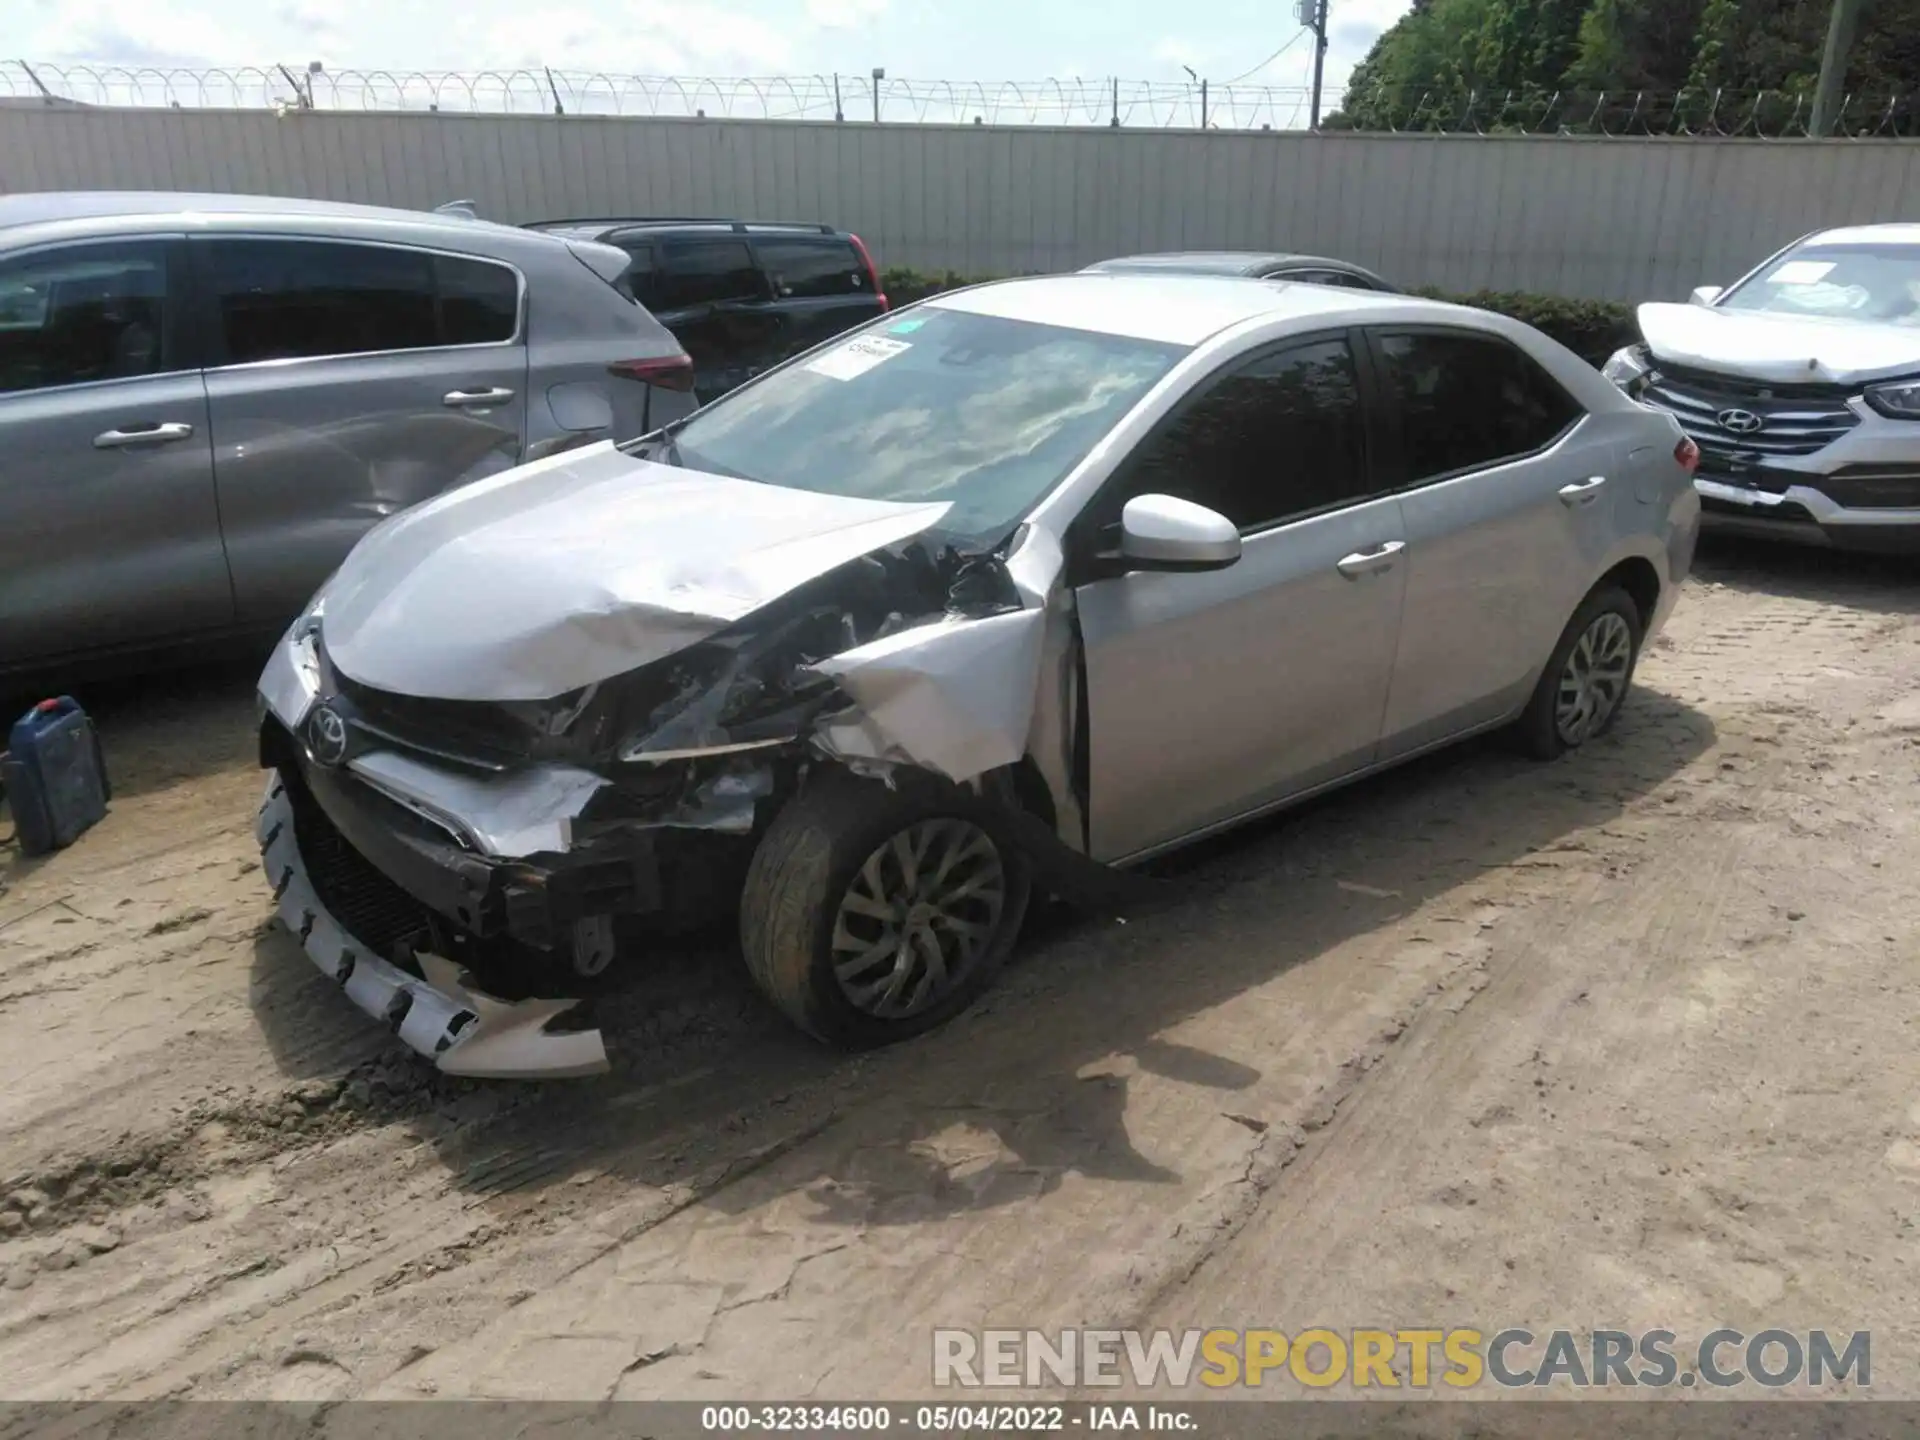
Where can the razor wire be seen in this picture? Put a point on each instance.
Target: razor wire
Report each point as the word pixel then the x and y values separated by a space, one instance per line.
pixel 1135 104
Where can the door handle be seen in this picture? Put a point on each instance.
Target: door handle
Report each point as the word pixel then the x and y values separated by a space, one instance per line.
pixel 1371 562
pixel 1584 492
pixel 462 399
pixel 142 435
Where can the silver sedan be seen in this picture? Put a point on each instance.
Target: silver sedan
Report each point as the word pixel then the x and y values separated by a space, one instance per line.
pixel 1004 592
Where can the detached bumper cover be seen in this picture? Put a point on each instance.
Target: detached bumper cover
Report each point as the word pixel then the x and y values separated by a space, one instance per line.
pixel 462 1030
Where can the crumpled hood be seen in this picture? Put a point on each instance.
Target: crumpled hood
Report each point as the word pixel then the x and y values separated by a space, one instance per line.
pixel 1779 348
pixel 575 569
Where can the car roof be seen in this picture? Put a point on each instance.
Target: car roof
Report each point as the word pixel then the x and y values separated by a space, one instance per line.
pixel 591 228
pixel 29 219
pixel 1218 262
pixel 1866 235
pixel 39 207
pixel 1175 308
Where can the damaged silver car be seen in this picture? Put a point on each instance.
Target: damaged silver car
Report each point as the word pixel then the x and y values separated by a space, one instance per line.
pixel 997 595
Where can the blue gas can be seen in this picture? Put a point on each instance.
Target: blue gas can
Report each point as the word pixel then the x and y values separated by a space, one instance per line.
pixel 54 775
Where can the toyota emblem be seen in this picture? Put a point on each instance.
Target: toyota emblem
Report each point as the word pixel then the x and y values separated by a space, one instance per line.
pixel 1740 422
pixel 327 736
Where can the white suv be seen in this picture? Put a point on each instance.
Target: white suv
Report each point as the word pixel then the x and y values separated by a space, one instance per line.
pixel 1801 386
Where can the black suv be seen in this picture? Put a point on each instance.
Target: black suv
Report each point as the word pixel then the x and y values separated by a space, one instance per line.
pixel 739 296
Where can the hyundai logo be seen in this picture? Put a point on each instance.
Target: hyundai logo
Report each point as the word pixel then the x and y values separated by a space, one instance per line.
pixel 1740 422
pixel 327 736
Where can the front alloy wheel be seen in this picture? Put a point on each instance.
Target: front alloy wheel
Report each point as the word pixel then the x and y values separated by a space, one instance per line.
pixel 917 918
pixel 872 914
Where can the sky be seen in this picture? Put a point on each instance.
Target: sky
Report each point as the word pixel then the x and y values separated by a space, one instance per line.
pixel 1143 40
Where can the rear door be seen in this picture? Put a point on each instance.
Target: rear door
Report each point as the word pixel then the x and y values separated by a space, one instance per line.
pixel 820 285
pixel 353 380
pixel 1507 500
pixel 109 534
pixel 709 292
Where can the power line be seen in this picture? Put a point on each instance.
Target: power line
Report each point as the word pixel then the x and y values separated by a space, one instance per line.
pixel 1298 35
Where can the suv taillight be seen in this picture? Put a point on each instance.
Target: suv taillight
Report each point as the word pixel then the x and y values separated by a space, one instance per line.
pixel 669 372
pixel 873 275
pixel 1688 454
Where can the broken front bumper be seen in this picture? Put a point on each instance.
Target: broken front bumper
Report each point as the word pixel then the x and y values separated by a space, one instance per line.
pixel 442 1016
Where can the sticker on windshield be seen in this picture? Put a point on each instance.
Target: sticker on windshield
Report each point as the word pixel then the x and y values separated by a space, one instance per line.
pixel 1801 272
pixel 858 357
pixel 906 327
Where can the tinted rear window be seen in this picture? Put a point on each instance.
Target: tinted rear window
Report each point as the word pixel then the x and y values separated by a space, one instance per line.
pixel 291 299
pixel 807 267
pixel 704 272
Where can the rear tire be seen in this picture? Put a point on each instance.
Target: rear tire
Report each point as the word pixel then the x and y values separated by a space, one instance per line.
pixel 871 915
pixel 1587 678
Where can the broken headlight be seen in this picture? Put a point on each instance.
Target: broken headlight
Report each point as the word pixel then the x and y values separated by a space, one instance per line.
pixel 1897 399
pixel 1628 369
pixel 742 691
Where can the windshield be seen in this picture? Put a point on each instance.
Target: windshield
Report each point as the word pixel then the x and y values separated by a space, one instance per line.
pixel 987 413
pixel 1877 283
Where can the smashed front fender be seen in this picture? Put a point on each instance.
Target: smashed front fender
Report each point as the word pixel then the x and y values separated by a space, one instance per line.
pixel 955 697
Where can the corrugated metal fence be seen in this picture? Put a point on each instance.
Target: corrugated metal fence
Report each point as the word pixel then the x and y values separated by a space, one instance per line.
pixel 1615 219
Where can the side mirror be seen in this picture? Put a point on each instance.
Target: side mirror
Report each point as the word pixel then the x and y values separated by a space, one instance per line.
pixel 1706 294
pixel 1160 532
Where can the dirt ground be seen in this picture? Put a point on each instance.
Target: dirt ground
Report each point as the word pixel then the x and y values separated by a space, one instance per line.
pixel 1626 1040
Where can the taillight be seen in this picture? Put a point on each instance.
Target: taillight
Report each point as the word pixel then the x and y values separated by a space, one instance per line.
pixel 1688 454
pixel 669 372
pixel 873 275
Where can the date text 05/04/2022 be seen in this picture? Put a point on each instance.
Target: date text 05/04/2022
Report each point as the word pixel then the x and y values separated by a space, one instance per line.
pixel 943 1419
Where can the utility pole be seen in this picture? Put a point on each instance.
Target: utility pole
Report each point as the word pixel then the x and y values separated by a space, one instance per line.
pixel 1313 15
pixel 1828 93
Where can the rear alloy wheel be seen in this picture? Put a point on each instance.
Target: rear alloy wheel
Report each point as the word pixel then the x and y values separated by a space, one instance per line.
pixel 871 914
pixel 1594 679
pixel 1586 680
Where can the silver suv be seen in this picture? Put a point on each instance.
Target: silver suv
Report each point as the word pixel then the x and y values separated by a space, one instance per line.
pixel 206 400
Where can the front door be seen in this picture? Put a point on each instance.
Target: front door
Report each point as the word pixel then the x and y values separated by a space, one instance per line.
pixel 1508 513
pixel 354 381
pixel 1213 695
pixel 109 534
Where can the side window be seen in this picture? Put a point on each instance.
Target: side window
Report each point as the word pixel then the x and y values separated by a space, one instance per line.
pixel 479 301
pixel 811 267
pixel 1470 401
pixel 286 299
pixel 707 272
pixel 83 313
pixel 1277 438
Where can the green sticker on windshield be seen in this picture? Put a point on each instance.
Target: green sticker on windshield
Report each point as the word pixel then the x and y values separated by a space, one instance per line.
pixel 905 327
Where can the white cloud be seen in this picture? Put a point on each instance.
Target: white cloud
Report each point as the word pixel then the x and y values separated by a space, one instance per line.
pixel 645 37
pixel 137 32
pixel 1178 53
pixel 845 14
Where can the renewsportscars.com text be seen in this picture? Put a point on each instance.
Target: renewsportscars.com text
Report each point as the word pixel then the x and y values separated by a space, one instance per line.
pixel 1409 1358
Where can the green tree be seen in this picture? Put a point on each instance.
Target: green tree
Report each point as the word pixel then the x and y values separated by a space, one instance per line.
pixel 1642 54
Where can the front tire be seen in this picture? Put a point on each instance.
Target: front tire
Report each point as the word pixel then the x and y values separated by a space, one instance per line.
pixel 1586 680
pixel 872 915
